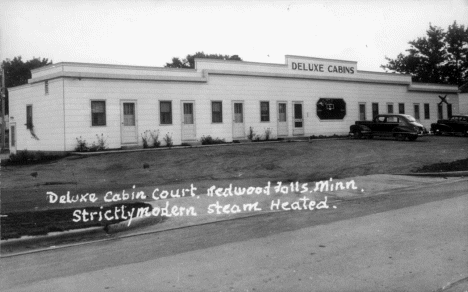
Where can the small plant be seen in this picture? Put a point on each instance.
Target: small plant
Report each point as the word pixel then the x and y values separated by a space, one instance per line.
pixel 81 145
pixel 145 139
pixel 208 140
pixel 267 134
pixel 168 140
pixel 155 137
pixel 251 134
pixel 101 142
pixel 257 138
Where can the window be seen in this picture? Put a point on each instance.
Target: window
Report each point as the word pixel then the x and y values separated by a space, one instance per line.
pixel 46 87
pixel 165 110
pixel 98 113
pixel 390 108
pixel 449 110
pixel 362 111
pixel 427 115
pixel 13 136
pixel 264 111
pixel 216 112
pixel 331 108
pixel 29 117
pixel 401 108
pixel 416 111
pixel 375 109
pixel 440 114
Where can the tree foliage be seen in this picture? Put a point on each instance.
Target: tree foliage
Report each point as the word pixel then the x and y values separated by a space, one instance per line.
pixel 17 72
pixel 439 57
pixel 189 61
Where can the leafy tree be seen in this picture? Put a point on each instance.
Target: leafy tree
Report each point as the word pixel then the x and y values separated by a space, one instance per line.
pixel 18 72
pixel 189 61
pixel 439 57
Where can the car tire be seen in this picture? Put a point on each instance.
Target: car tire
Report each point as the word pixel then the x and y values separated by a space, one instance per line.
pixel 357 134
pixel 400 137
pixel 437 132
pixel 412 138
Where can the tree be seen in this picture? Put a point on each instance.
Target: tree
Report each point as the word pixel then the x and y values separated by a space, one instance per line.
pixel 189 61
pixel 18 72
pixel 440 57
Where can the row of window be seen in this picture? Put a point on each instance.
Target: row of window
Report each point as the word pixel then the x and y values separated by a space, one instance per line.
pixel 401 110
pixel 98 112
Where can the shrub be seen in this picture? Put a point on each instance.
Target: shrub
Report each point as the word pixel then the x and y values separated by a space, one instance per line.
pixel 81 145
pixel 168 140
pixel 208 140
pixel 101 142
pixel 155 137
pixel 267 134
pixel 251 134
pixel 27 157
pixel 145 138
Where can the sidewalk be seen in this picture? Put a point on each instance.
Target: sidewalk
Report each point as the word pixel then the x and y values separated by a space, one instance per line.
pixel 205 209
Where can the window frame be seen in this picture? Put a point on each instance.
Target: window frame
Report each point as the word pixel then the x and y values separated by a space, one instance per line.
pixel 265 117
pixel 401 105
pixel 215 114
pixel 375 113
pixel 164 115
pixel 427 111
pixel 390 104
pixel 29 117
pixel 359 111
pixel 417 114
pixel 93 114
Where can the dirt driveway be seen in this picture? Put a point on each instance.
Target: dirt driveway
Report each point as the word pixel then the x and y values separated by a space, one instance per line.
pixel 244 164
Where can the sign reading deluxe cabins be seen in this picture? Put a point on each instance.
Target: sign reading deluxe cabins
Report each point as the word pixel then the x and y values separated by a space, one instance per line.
pixel 319 66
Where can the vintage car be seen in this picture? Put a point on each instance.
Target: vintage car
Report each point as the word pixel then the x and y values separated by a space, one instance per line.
pixel 389 125
pixel 456 124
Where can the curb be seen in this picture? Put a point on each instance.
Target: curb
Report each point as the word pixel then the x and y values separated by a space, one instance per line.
pixel 462 173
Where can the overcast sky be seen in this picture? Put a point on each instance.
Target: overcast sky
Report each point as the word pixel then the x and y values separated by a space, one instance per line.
pixel 150 33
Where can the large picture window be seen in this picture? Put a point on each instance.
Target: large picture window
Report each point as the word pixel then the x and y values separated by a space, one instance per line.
pixel 331 108
pixel 216 111
pixel 165 112
pixel 264 111
pixel 98 113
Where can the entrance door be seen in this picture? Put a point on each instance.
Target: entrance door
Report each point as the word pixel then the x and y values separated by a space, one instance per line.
pixel 128 128
pixel 188 121
pixel 298 127
pixel 238 129
pixel 282 119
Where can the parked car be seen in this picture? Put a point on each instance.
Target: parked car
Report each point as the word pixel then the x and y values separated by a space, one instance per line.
pixel 456 124
pixel 389 125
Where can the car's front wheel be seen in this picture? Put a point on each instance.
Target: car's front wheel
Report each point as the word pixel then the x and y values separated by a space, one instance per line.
pixel 357 134
pixel 400 137
pixel 412 138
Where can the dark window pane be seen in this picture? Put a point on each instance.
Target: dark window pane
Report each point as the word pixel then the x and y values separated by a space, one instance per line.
pixel 264 111
pixel 165 112
pixel 426 111
pixel 216 112
pixel 98 112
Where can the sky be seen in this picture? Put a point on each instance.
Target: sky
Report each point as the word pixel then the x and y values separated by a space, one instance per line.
pixel 151 33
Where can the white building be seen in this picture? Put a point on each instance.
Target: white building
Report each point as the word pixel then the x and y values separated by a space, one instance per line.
pixel 224 99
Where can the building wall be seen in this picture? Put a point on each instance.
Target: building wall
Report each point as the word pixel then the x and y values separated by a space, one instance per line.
pixel 47 116
pixel 463 101
pixel 228 88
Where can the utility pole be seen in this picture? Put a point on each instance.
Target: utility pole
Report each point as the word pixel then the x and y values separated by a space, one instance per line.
pixel 2 96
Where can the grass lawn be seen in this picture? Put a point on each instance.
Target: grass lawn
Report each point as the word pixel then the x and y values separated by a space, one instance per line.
pixel 24 188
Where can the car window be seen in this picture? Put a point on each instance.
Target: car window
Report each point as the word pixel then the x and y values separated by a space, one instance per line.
pixel 392 120
pixel 380 119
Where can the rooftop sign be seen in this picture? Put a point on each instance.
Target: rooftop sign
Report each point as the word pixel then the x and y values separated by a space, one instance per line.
pixel 321 66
